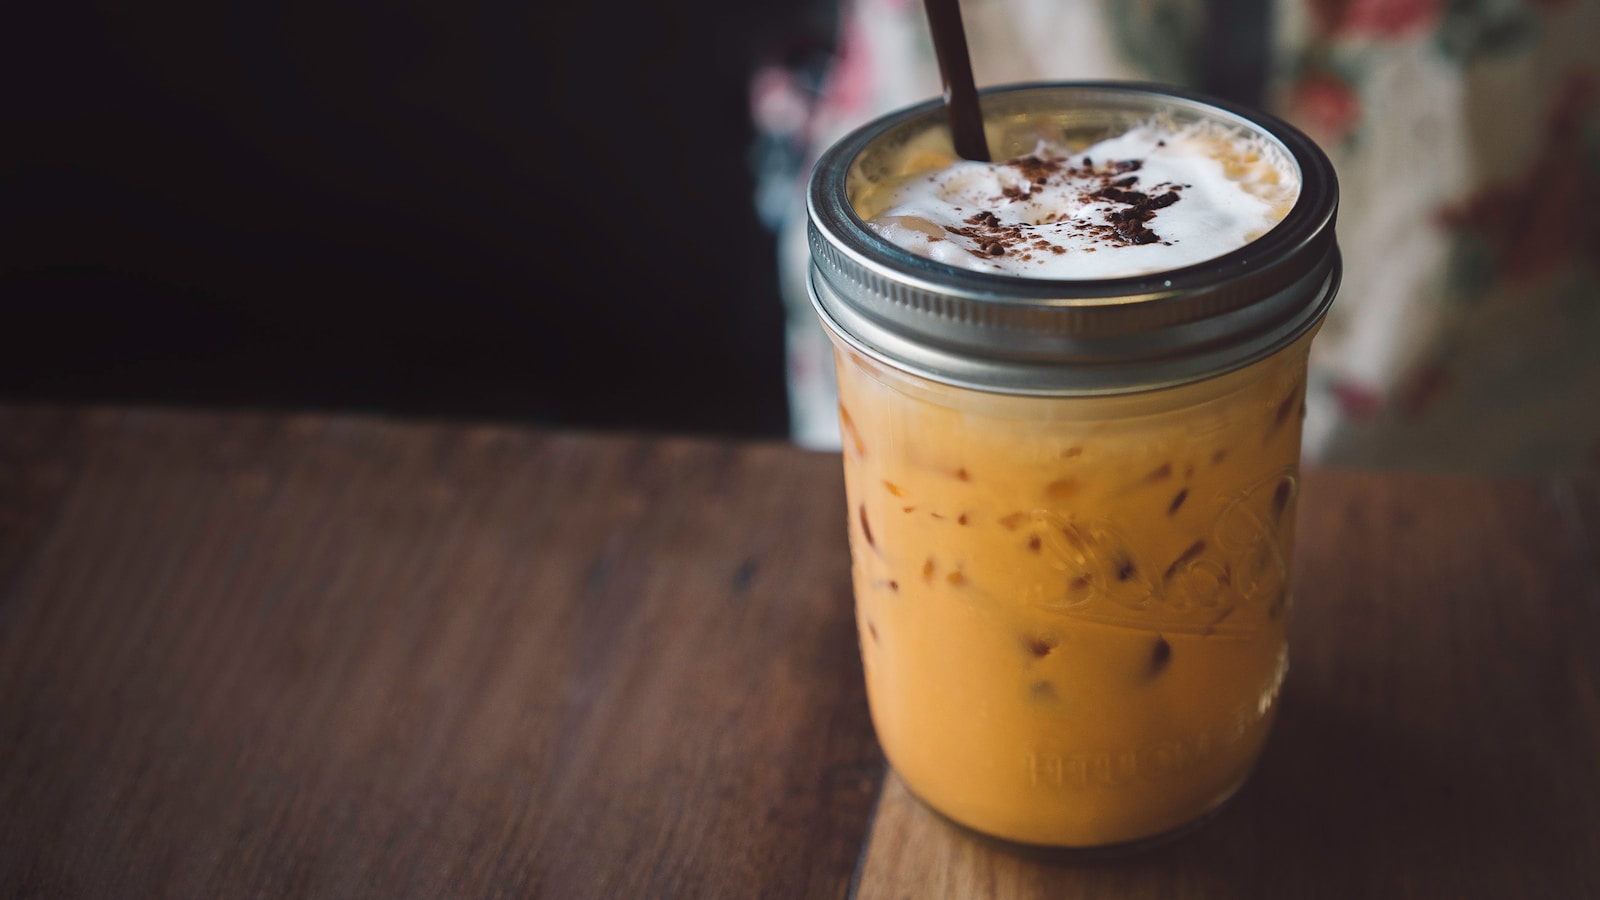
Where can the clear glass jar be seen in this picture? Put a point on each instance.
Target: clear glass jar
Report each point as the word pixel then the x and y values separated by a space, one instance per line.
pixel 1072 504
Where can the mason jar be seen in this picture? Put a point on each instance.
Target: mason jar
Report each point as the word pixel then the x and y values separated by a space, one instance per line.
pixel 1071 502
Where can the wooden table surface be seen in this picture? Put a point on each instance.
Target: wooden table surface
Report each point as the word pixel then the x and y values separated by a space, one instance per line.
pixel 309 656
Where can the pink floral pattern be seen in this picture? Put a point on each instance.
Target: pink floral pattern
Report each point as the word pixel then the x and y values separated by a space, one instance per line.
pixel 1375 18
pixel 1326 105
pixel 1478 303
pixel 1550 213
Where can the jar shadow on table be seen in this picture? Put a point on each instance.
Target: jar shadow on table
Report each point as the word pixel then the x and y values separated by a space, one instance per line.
pixel 1339 796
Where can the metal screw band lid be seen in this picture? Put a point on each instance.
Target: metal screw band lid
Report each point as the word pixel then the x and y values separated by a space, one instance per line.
pixel 1047 336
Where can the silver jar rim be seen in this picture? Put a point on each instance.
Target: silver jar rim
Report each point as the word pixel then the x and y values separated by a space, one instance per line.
pixel 1024 335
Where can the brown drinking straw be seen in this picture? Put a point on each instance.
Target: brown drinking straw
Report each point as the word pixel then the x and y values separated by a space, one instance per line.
pixel 955 69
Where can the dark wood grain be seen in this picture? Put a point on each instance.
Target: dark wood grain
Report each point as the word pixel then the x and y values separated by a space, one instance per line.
pixel 250 656
pixel 1439 734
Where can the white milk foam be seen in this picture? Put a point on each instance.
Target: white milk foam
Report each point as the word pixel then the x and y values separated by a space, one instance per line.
pixel 1149 200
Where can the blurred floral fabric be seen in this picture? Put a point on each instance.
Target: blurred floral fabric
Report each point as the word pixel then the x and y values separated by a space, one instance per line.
pixel 1466 136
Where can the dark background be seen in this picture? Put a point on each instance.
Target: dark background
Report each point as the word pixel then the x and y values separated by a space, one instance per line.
pixel 520 212
pixel 475 209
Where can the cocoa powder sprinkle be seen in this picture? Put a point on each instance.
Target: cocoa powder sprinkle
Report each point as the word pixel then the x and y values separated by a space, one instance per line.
pixel 1111 183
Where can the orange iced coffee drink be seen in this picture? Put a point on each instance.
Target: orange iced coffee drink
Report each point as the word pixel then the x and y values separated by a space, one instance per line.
pixel 1071 387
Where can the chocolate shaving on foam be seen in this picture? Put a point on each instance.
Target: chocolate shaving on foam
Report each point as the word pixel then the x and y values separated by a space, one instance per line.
pixel 1109 182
